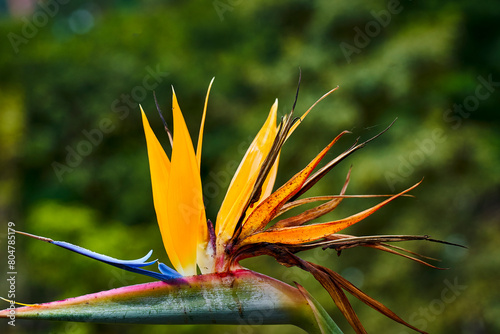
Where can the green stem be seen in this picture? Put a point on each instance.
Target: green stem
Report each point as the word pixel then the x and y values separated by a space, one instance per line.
pixel 241 297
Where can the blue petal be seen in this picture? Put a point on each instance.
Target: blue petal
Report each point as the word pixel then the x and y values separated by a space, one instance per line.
pixel 104 258
pixel 166 270
pixel 167 273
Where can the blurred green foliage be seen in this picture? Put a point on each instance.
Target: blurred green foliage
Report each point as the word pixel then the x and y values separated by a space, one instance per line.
pixel 415 63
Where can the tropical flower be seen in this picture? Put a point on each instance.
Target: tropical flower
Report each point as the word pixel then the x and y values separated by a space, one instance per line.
pixel 248 224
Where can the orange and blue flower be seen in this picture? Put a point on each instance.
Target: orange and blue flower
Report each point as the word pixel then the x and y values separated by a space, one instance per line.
pixel 248 223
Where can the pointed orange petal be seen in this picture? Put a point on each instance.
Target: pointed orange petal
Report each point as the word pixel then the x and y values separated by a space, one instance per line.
pixel 244 179
pixel 185 209
pixel 204 255
pixel 303 234
pixel 263 214
pixel 202 126
pixel 159 167
pixel 292 205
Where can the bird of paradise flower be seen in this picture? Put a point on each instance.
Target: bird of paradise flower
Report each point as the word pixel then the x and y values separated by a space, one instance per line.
pixel 247 225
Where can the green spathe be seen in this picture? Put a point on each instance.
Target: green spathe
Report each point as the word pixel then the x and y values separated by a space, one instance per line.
pixel 240 297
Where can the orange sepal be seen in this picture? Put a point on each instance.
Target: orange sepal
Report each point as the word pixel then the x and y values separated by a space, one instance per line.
pixel 159 166
pixel 184 206
pixel 244 179
pixel 303 234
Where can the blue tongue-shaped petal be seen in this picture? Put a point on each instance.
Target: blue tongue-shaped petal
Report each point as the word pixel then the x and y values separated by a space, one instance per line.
pixel 129 265
pixel 166 270
pixel 104 258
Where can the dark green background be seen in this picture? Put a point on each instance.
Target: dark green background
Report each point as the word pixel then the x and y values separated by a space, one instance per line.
pixel 69 75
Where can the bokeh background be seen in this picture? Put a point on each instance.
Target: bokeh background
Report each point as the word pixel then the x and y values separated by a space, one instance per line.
pixel 74 162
